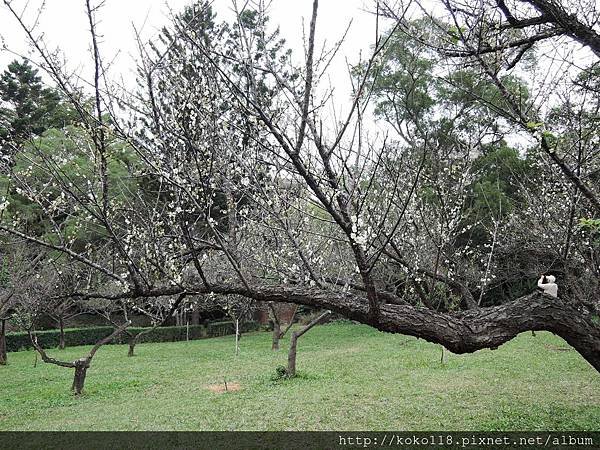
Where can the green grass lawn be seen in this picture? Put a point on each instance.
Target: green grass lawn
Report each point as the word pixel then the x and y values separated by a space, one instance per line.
pixel 351 377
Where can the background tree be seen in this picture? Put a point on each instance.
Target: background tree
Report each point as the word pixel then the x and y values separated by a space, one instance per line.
pixel 18 273
pixel 27 108
pixel 158 310
pixel 62 306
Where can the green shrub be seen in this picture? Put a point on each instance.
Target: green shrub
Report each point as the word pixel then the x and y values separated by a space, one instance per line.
pixel 49 339
pixel 280 372
pixel 89 336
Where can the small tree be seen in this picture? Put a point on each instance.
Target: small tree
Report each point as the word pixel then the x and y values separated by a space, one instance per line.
pixel 17 268
pixel 80 365
pixel 159 310
pixel 238 308
pixel 291 368
pixel 61 306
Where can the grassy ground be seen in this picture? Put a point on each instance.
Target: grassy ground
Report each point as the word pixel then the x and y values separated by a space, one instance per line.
pixel 351 377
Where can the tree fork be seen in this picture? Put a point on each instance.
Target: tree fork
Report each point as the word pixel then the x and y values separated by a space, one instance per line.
pixel 278 333
pixel 291 368
pixel 80 365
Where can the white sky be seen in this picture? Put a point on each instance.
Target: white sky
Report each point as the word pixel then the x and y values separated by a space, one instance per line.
pixel 65 27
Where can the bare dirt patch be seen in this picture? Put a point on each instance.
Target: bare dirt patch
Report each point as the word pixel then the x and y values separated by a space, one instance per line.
pixel 221 388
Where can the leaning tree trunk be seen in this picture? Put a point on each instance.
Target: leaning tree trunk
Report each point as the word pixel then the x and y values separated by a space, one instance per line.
pixel 460 332
pixel 3 354
pixel 136 338
pixel 61 342
pixel 291 368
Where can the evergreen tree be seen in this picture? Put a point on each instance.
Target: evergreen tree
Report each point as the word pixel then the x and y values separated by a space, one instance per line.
pixel 27 108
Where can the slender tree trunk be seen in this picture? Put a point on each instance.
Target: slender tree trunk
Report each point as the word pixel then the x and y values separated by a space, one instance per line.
pixel 81 367
pixel 3 354
pixel 291 368
pixel 131 350
pixel 276 336
pixel 61 342
pixel 237 336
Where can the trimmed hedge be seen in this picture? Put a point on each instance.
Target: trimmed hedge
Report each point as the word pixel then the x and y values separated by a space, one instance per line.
pixel 88 336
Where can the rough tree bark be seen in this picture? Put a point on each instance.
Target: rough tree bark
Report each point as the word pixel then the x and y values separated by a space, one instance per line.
pixel 80 365
pixel 460 332
pixel 291 368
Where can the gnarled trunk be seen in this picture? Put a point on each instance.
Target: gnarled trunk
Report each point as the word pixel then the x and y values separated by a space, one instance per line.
pixel 460 332
pixel 469 331
pixel 80 365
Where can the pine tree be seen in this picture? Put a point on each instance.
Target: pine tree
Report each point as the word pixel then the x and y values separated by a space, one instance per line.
pixel 27 108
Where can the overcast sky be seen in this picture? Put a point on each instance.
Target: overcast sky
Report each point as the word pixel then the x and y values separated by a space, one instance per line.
pixel 65 27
